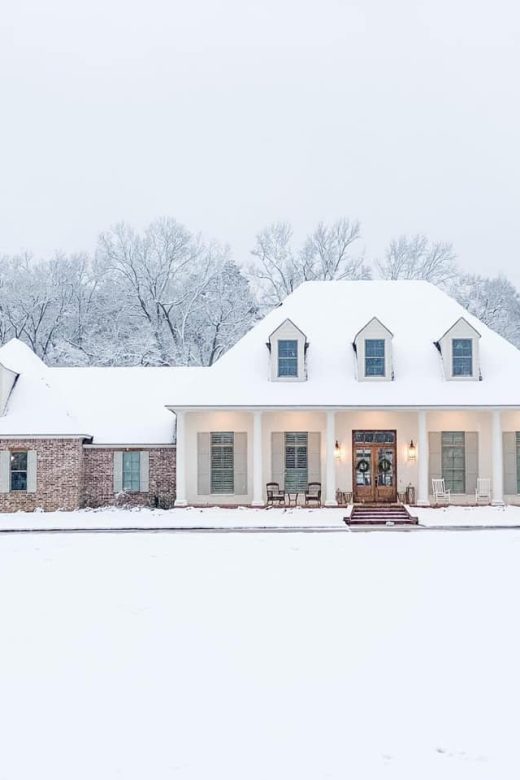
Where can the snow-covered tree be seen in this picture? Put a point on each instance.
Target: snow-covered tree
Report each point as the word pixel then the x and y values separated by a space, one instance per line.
pixel 325 255
pixel 416 257
pixel 188 294
pixel 496 302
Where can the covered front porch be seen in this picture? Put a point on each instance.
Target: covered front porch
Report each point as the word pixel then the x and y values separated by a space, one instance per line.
pixel 227 456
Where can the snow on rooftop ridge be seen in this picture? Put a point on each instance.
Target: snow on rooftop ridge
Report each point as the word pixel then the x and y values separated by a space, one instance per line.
pixel 18 357
pixel 340 309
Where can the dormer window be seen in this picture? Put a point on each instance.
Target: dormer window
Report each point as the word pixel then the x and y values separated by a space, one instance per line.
pixel 287 357
pixel 374 357
pixel 287 349
pixel 462 357
pixel 460 353
pixel 373 348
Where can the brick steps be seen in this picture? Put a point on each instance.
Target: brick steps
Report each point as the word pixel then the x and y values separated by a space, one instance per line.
pixel 380 514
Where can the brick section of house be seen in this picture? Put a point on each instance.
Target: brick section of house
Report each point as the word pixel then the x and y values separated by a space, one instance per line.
pixel 59 480
pixel 98 478
pixel 70 476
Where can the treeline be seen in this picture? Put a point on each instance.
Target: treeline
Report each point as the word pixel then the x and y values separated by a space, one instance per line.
pixel 167 297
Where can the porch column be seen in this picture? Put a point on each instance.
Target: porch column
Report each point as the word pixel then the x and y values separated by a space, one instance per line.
pixel 498 459
pixel 180 460
pixel 330 498
pixel 258 493
pixel 423 498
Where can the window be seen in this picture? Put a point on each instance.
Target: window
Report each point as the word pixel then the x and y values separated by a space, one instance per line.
pixel 374 357
pixel 462 356
pixel 296 461
pixel 131 471
pixel 18 471
pixel 454 460
pixel 222 463
pixel 288 358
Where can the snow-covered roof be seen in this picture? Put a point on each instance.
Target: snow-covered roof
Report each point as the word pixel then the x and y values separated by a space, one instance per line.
pixel 122 405
pixel 34 406
pixel 109 405
pixel 331 314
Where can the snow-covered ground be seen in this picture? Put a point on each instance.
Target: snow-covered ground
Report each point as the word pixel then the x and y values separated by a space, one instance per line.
pixel 308 656
pixel 244 517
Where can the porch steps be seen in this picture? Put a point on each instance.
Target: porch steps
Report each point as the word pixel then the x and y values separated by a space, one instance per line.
pixel 380 514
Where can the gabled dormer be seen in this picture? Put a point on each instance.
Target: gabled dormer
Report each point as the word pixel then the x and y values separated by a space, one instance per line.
pixel 7 380
pixel 459 348
pixel 373 348
pixel 287 347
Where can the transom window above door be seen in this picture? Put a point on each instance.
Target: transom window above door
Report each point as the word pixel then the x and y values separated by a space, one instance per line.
pixel 374 437
pixel 374 357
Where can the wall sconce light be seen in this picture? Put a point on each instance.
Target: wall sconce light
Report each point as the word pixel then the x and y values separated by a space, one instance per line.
pixel 337 450
pixel 412 451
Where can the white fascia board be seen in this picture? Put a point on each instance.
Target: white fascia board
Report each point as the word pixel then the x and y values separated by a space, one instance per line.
pixel 45 436
pixel 128 445
pixel 347 408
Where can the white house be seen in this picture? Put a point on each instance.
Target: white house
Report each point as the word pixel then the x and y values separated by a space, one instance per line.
pixel 367 387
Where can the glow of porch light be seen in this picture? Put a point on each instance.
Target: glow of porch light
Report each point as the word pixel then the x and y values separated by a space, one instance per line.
pixel 412 451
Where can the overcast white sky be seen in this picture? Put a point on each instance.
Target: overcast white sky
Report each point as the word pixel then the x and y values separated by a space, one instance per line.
pixel 228 115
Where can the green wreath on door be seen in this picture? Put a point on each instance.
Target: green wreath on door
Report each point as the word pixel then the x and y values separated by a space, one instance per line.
pixel 385 465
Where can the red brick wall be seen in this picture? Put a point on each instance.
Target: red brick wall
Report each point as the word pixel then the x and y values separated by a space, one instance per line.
pixel 70 476
pixel 99 479
pixel 59 475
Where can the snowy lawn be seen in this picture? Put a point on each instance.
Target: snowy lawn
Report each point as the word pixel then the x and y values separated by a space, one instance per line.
pixel 260 656
pixel 243 517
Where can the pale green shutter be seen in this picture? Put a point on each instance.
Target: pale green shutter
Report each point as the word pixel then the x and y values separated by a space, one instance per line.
pixel 118 471
pixel 314 455
pixel 32 468
pixel 203 464
pixel 435 457
pixel 240 464
pixel 510 464
pixel 471 460
pixel 5 471
pixel 144 471
pixel 278 458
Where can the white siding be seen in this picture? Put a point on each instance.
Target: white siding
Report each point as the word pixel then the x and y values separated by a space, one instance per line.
pixel 374 330
pixel 460 330
pixel 287 330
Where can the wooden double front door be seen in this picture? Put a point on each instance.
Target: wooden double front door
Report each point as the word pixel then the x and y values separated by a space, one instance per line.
pixel 374 466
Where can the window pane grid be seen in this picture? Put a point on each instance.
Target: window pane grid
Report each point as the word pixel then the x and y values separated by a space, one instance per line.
pixel 288 358
pixel 222 463
pixel 18 475
pixel 454 460
pixel 131 471
pixel 374 357
pixel 462 355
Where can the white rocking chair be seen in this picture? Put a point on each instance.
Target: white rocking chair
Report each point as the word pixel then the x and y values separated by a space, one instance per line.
pixel 439 491
pixel 483 491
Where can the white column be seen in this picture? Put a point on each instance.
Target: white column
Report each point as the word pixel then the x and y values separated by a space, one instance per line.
pixel 423 454
pixel 330 498
pixel 498 460
pixel 258 492
pixel 180 460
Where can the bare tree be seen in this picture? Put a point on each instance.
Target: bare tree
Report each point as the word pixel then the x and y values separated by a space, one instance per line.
pixel 277 271
pixel 416 257
pixel 325 255
pixel 495 302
